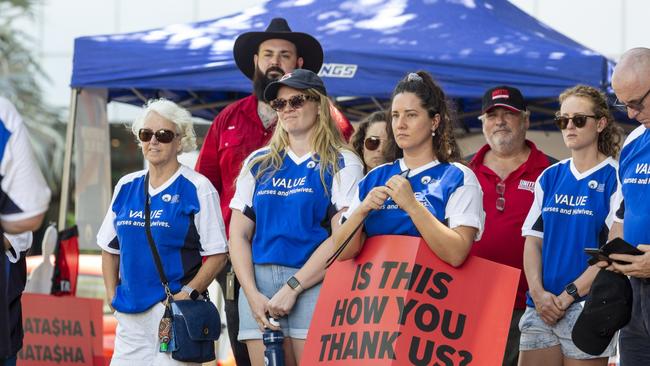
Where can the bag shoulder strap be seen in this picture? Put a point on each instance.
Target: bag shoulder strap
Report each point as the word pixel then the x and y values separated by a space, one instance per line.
pixel 152 243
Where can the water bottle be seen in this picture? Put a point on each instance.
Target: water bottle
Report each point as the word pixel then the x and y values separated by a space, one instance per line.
pixel 273 339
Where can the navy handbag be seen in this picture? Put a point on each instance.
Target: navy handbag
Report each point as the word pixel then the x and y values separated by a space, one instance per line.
pixel 195 324
pixel 195 327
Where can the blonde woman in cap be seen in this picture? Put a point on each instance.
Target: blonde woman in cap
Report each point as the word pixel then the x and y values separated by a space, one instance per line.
pixel 247 124
pixel 287 202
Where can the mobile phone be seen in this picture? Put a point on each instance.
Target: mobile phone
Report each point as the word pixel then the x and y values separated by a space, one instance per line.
pixel 620 246
pixel 597 255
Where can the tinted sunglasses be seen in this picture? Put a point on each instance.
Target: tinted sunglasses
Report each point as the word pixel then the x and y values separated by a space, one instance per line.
pixel 295 102
pixel 162 135
pixel 501 199
pixel 372 143
pixel 578 120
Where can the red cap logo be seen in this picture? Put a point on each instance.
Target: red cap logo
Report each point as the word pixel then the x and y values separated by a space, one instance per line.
pixel 500 93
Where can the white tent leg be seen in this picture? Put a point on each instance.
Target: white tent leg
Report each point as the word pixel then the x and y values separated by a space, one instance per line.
pixel 67 159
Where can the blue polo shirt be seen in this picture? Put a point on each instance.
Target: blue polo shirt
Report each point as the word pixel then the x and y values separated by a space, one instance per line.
pixel 634 175
pixel 291 206
pixel 186 224
pixel 571 211
pixel 450 191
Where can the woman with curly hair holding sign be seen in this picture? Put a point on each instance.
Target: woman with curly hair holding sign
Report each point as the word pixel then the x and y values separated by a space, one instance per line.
pixel 425 192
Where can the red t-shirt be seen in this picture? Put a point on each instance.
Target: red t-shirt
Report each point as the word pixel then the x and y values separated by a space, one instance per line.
pixel 502 241
pixel 235 133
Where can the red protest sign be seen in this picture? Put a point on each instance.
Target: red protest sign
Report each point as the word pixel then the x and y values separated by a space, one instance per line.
pixel 96 311
pixel 399 304
pixel 61 331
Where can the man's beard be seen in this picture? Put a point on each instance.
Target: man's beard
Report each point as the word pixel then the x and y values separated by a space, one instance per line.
pixel 261 80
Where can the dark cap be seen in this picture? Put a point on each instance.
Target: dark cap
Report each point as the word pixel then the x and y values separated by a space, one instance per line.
pixel 300 79
pixel 503 96
pixel 607 309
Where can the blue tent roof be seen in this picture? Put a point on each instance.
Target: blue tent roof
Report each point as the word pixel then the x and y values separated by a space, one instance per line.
pixel 468 45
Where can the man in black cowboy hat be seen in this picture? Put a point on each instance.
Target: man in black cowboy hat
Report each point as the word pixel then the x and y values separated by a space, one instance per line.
pixel 247 124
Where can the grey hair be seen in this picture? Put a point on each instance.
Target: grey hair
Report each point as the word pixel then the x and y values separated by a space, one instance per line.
pixel 524 116
pixel 174 113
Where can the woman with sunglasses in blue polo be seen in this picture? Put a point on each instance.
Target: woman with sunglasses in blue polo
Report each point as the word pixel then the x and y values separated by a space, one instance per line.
pixel 287 202
pixel 570 212
pixel 370 139
pixel 186 226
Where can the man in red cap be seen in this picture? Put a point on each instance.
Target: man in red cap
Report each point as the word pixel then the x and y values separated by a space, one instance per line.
pixel 247 124
pixel 507 167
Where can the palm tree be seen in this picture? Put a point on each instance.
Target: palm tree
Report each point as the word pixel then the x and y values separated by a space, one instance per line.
pixel 19 73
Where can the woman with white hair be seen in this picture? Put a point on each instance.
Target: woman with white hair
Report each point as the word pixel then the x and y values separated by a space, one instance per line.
pixel 186 226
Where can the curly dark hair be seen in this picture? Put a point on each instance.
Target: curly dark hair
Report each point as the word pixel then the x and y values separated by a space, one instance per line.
pixel 609 139
pixel 434 101
pixel 360 134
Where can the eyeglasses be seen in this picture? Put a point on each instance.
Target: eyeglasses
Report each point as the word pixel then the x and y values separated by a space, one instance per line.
pixel 501 200
pixel 295 102
pixel 372 143
pixel 637 106
pixel 162 135
pixel 578 120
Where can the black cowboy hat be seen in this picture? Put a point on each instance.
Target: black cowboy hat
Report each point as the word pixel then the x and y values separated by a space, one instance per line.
pixel 247 44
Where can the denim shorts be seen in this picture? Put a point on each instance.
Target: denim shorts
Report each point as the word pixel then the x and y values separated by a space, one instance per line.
pixel 535 334
pixel 269 279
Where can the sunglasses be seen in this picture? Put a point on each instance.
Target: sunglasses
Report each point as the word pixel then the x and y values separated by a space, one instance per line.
pixel 501 200
pixel 578 120
pixel 162 135
pixel 372 143
pixel 295 102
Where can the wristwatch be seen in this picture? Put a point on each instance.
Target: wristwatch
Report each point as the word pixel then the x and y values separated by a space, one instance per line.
pixel 572 290
pixel 190 291
pixel 293 283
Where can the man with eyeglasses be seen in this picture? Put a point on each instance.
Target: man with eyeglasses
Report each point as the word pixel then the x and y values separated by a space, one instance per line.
pixel 507 167
pixel 631 83
pixel 247 124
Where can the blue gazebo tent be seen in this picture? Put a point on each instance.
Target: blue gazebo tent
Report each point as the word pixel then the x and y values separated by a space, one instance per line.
pixel 468 45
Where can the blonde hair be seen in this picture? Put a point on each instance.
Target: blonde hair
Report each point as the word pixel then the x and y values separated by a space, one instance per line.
pixel 326 142
pixel 609 139
pixel 171 111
